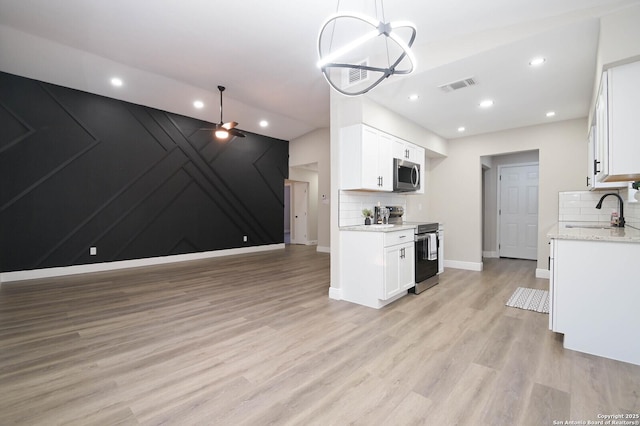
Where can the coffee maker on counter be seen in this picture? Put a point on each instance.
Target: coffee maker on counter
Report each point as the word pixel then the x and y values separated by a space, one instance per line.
pixel 388 214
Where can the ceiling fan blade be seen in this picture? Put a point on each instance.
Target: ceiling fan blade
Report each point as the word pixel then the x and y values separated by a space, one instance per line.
pixel 230 125
pixel 236 132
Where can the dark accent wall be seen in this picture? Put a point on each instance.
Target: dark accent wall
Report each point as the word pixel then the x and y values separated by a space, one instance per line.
pixel 79 170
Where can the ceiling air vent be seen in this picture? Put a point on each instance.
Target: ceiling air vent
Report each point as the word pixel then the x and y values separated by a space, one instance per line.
pixel 460 84
pixel 353 76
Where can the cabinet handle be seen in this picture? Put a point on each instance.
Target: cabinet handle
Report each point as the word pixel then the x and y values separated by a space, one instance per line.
pixel 595 167
pixel 587 180
pixel 402 236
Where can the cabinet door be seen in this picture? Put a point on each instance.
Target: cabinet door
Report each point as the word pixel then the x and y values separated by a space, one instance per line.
pixel 407 272
pixel 591 156
pixel 552 280
pixel 371 177
pixel 592 166
pixel 623 107
pixel 400 149
pixel 385 161
pixel 391 284
pixel 413 152
pixel 407 151
pixel 399 270
pixel 601 163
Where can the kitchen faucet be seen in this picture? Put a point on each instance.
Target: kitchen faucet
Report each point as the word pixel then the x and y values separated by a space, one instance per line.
pixel 620 204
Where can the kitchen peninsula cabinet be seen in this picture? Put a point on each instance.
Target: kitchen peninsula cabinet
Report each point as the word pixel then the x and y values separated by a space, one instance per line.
pixel 378 267
pixel 366 159
pixel 594 290
pixel 617 126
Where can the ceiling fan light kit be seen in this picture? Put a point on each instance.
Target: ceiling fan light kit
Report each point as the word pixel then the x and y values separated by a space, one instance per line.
pixel 347 68
pixel 223 130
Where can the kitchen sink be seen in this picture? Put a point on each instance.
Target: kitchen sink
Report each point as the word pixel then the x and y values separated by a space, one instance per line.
pixel 589 226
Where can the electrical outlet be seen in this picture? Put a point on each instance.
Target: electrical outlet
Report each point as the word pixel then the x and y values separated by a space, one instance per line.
pixel 93 251
pixel 244 238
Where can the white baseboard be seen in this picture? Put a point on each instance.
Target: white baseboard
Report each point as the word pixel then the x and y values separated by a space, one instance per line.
pixel 312 243
pixel 124 264
pixel 323 249
pixel 469 266
pixel 335 293
pixel 491 254
pixel 542 273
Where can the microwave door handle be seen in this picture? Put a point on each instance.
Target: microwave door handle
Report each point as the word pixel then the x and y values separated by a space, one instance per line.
pixel 415 171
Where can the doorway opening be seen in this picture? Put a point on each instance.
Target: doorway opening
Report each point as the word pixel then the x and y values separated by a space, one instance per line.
pixel 518 211
pixel 510 205
pixel 296 211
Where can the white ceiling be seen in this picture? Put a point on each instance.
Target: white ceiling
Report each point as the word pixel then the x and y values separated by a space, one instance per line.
pixel 264 52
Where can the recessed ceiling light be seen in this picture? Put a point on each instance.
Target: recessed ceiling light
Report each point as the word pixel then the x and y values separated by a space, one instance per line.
pixel 537 61
pixel 264 123
pixel 198 104
pixel 461 129
pixel 115 81
pixel 413 97
pixel 551 113
pixel 486 103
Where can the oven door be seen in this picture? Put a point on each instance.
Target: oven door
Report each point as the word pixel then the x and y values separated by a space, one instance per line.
pixel 426 247
pixel 406 175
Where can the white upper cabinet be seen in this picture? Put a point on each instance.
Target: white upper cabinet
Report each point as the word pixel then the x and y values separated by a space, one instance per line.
pixel 617 121
pixel 366 160
pixel 404 150
pixel 407 151
pixel 593 166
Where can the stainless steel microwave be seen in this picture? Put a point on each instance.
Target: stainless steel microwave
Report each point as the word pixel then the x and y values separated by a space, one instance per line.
pixel 406 176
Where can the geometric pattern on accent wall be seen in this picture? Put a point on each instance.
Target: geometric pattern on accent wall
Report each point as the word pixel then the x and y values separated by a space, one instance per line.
pixel 79 170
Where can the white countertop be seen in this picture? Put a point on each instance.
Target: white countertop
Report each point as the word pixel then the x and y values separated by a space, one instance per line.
pixel 378 228
pixel 593 231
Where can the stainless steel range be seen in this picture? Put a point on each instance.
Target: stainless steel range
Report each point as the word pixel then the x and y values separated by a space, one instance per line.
pixel 426 244
pixel 426 254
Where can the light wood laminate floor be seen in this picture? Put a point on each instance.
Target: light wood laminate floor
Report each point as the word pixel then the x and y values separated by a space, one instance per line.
pixel 254 339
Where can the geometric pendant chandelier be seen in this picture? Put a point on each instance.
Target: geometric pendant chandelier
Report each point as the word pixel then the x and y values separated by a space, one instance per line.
pixel 357 52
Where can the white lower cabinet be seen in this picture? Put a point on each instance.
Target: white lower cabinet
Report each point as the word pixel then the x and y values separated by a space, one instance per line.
pixel 399 271
pixel 376 267
pixel 593 295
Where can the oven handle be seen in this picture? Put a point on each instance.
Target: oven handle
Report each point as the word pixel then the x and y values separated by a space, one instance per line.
pixel 422 237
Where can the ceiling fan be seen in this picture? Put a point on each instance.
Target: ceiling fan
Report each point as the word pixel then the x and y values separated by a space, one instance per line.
pixel 224 130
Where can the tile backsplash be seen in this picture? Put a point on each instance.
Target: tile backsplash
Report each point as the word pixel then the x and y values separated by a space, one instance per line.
pixel 352 203
pixel 580 206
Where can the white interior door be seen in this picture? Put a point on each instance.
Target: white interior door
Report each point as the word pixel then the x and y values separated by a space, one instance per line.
pixel 518 211
pixel 299 215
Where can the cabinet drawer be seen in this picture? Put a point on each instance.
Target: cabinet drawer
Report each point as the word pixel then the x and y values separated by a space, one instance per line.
pixel 399 237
